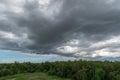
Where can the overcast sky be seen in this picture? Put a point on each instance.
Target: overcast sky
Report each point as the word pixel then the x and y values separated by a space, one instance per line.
pixel 83 29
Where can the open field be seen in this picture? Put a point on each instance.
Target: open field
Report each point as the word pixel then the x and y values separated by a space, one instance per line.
pixel 32 76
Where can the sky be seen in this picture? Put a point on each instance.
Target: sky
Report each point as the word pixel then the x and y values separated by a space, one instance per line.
pixel 79 29
pixel 15 56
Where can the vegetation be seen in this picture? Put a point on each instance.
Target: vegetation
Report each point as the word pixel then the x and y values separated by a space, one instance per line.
pixel 31 76
pixel 74 70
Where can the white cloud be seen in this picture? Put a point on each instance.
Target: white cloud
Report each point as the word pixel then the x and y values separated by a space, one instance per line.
pixel 53 10
pixel 8 35
pixel 81 54
pixel 105 53
pixel 19 39
pixel 111 41
pixel 43 2
pixel 12 6
pixel 73 42
pixel 110 1
pixel 97 49
pixel 67 49
pixel 15 15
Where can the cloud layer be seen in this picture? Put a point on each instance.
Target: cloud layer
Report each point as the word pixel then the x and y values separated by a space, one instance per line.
pixel 74 28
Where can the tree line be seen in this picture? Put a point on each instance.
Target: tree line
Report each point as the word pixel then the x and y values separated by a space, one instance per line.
pixel 75 70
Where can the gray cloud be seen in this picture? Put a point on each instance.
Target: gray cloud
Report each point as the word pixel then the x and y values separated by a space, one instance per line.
pixel 52 26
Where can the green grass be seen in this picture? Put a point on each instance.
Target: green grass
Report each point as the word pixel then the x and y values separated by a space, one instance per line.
pixel 32 76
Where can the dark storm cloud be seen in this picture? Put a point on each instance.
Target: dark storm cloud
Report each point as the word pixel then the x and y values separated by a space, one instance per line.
pixel 50 25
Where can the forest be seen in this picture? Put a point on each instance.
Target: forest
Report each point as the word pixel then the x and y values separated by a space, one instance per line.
pixel 73 70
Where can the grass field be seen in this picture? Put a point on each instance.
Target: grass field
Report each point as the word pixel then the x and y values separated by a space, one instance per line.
pixel 32 76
